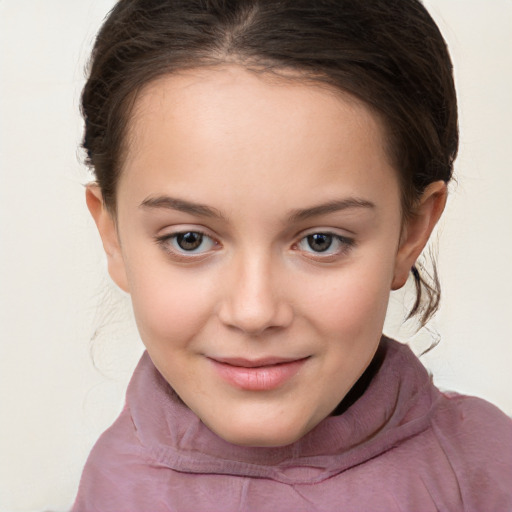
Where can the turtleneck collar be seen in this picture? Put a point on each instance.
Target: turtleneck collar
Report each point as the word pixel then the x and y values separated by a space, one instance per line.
pixel 396 403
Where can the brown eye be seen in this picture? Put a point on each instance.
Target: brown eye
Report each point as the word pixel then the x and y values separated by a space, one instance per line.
pixel 189 241
pixel 325 246
pixel 319 242
pixel 187 245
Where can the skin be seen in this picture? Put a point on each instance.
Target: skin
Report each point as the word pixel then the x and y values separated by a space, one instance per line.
pixel 261 154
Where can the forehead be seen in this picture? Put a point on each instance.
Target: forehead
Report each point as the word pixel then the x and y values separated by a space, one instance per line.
pixel 231 127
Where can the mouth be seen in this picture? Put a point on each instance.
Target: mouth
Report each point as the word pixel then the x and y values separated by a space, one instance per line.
pixel 257 375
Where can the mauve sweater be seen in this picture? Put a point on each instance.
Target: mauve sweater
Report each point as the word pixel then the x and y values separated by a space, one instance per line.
pixel 401 446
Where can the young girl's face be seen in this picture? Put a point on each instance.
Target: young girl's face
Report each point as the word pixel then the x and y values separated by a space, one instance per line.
pixel 259 234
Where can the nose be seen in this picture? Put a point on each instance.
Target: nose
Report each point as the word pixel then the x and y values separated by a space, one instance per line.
pixel 254 299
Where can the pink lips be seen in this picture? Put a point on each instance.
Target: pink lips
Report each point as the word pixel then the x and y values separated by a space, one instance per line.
pixel 258 375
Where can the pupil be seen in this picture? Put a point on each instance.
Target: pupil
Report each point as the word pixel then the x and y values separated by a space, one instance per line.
pixel 189 241
pixel 319 242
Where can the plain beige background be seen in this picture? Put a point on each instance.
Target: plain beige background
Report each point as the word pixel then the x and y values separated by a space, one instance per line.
pixel 54 292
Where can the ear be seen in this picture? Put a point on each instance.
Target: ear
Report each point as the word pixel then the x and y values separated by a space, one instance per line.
pixel 109 235
pixel 417 230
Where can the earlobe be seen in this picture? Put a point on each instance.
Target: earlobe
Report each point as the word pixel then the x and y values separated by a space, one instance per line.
pixel 109 235
pixel 418 229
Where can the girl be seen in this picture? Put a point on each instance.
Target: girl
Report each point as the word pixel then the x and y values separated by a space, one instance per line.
pixel 266 172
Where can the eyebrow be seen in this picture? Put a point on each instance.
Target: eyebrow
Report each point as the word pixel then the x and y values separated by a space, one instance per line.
pixel 329 207
pixel 202 210
pixel 172 203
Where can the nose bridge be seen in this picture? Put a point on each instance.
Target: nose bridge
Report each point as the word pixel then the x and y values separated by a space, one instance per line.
pixel 253 299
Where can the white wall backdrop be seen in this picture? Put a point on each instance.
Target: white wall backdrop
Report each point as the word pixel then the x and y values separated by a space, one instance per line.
pixel 54 291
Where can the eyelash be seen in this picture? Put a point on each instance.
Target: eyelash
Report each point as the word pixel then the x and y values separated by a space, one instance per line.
pixel 345 244
pixel 168 241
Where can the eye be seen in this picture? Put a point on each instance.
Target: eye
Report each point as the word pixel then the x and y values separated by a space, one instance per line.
pixel 186 243
pixel 325 244
pixel 190 241
pixel 319 242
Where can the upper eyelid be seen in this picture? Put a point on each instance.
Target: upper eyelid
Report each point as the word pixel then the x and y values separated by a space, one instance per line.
pixel 171 236
pixel 340 233
pixel 170 231
pixel 335 232
pixel 341 238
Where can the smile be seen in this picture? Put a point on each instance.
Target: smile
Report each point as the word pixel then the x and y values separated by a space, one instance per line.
pixel 258 375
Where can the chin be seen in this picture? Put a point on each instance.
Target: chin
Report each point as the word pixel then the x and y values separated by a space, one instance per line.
pixel 259 441
pixel 258 436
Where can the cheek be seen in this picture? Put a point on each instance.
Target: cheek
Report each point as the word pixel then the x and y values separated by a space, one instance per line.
pixel 169 306
pixel 353 302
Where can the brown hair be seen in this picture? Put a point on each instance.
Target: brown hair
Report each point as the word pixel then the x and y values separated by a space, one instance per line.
pixel 388 53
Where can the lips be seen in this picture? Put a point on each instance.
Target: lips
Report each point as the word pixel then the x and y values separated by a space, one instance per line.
pixel 257 375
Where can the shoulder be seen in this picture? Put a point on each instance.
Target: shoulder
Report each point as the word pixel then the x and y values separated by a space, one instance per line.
pixel 113 467
pixel 482 427
pixel 477 440
pixel 121 472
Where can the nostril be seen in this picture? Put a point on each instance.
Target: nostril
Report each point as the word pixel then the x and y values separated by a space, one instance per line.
pixel 256 321
pixel 252 300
